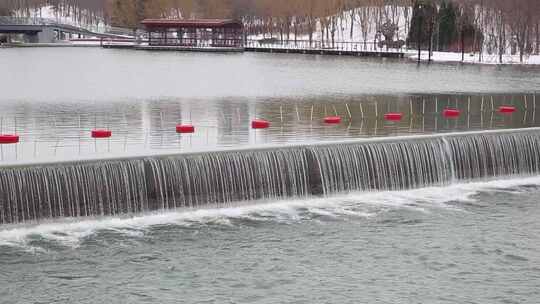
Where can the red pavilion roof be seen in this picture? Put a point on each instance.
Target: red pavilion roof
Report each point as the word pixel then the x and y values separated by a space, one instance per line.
pixel 191 23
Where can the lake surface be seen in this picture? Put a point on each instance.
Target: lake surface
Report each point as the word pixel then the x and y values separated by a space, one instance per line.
pixel 54 97
pixel 464 243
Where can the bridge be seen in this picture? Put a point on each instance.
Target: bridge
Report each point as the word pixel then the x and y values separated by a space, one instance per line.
pixel 42 30
pixel 357 49
pixel 340 48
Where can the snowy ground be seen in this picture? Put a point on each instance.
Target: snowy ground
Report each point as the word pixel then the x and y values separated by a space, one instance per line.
pixel 342 35
pixel 473 58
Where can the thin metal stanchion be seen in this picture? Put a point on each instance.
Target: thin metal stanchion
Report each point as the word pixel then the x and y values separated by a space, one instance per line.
pixel 482 104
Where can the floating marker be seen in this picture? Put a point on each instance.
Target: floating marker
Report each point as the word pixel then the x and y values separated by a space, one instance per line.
pixel 101 133
pixel 507 109
pixel 393 116
pixel 9 139
pixel 332 120
pixel 182 129
pixel 260 124
pixel 451 113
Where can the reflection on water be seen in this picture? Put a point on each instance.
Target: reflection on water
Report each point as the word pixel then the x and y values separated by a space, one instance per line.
pixel 59 131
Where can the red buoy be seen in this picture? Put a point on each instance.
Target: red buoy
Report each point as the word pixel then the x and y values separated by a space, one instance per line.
pixel 101 133
pixel 9 139
pixel 451 113
pixel 393 116
pixel 507 109
pixel 260 124
pixel 332 120
pixel 181 129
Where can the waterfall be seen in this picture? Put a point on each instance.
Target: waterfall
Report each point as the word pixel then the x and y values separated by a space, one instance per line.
pixel 113 187
pixel 387 166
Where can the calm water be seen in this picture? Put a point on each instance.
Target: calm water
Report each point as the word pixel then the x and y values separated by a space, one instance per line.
pixel 54 97
pixel 467 243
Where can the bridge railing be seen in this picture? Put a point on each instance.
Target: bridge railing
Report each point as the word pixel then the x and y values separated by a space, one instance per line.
pixel 8 20
pixel 344 46
pixel 102 29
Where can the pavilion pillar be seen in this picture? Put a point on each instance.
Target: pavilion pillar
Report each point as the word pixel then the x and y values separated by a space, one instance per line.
pixel 180 36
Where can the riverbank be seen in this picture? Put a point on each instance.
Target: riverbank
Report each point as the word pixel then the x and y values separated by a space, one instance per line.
pixel 470 58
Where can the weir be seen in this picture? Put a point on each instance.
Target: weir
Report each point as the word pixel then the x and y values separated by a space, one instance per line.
pixel 131 185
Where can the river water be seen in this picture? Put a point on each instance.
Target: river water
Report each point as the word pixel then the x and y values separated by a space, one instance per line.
pixel 470 243
pixel 464 243
pixel 54 97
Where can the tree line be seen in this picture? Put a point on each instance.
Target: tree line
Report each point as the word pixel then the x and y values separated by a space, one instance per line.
pixel 495 27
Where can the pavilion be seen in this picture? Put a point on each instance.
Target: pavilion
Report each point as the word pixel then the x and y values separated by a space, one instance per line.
pixel 195 34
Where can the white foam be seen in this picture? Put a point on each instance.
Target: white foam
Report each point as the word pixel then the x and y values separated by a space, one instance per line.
pixel 70 232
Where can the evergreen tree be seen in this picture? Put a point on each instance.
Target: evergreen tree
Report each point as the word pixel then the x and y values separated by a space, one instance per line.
pixel 422 22
pixel 448 32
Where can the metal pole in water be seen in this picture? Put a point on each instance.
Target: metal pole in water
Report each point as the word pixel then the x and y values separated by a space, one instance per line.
pixel 410 107
pixel 79 134
pixel 492 104
pixel 362 110
pixel 15 132
pixel 469 104
pixel 281 113
pixel 436 105
pixel 482 104
pixel 525 99
pixel 348 111
pixel 423 107
pixel 56 134
pixel 311 117
pixel 376 109
pixel 335 111
pixel 126 137
pixel 297 113
pixel 109 139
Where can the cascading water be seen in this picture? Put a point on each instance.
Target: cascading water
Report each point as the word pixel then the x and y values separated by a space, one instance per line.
pixel 115 187
pixel 383 166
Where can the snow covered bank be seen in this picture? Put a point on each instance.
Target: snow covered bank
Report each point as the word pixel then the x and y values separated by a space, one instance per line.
pixel 473 58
